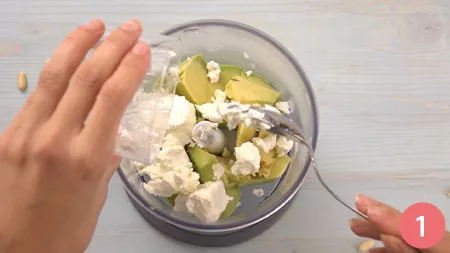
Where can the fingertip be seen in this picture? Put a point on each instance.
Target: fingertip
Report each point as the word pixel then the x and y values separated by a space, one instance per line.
pixel 141 48
pixel 363 202
pixel 95 24
pixel 351 222
pixel 357 197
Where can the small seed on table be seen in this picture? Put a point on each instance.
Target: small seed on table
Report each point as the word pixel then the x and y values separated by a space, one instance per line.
pixel 366 246
pixel 47 61
pixel 22 82
pixel 448 194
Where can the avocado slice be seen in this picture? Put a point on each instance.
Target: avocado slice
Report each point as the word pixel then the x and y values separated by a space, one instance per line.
pixel 226 73
pixel 240 180
pixel 235 193
pixel 203 162
pixel 254 78
pixel 244 134
pixel 267 159
pixel 246 180
pixel 229 71
pixel 272 168
pixel 247 92
pixel 279 167
pixel 193 81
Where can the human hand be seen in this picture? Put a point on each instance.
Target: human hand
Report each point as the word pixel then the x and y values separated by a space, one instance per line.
pixel 54 166
pixel 384 225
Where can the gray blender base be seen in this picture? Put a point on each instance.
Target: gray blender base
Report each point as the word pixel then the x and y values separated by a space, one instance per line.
pixel 211 240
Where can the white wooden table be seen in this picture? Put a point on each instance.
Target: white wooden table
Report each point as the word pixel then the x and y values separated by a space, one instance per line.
pixel 381 70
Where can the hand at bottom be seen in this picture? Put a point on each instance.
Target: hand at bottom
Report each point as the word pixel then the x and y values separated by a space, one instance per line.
pixel 384 225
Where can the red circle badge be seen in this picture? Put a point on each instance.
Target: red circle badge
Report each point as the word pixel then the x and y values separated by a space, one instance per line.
pixel 422 225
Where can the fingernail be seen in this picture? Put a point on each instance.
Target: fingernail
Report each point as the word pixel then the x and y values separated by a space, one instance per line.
pixel 139 22
pixel 357 198
pixel 131 25
pixel 94 24
pixel 141 48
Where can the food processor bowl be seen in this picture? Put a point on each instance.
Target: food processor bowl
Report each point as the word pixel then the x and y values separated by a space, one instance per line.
pixel 228 42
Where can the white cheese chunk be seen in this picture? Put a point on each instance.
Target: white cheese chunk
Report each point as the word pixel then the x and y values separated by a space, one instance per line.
pixel 208 202
pixel 267 143
pixel 247 160
pixel 258 192
pixel 283 146
pixel 218 171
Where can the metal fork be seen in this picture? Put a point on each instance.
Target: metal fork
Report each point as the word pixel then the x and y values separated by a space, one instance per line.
pixel 281 125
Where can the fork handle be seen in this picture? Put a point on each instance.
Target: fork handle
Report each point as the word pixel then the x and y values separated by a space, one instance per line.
pixel 314 165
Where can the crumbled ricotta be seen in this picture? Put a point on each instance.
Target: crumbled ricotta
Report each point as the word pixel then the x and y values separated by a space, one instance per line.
pixel 213 71
pixel 208 202
pixel 182 116
pixel 249 73
pixel 165 181
pixel 254 118
pixel 174 157
pixel 210 112
pixel 180 204
pixel 233 115
pixel 187 181
pixel 247 160
pixel 267 143
pixel 213 76
pixel 212 65
pixel 258 192
pixel 219 96
pixel 283 146
pixel 218 171
pixel 160 187
pixel 173 139
pixel 283 107
pixel 171 173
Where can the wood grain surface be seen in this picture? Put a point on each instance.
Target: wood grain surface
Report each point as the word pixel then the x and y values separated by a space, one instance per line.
pixel 381 71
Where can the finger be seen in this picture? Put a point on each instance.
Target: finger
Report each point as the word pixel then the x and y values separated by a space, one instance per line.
pixel 114 97
pixel 379 250
pixel 91 75
pixel 394 244
pixel 363 228
pixel 363 202
pixel 54 78
pixel 385 218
